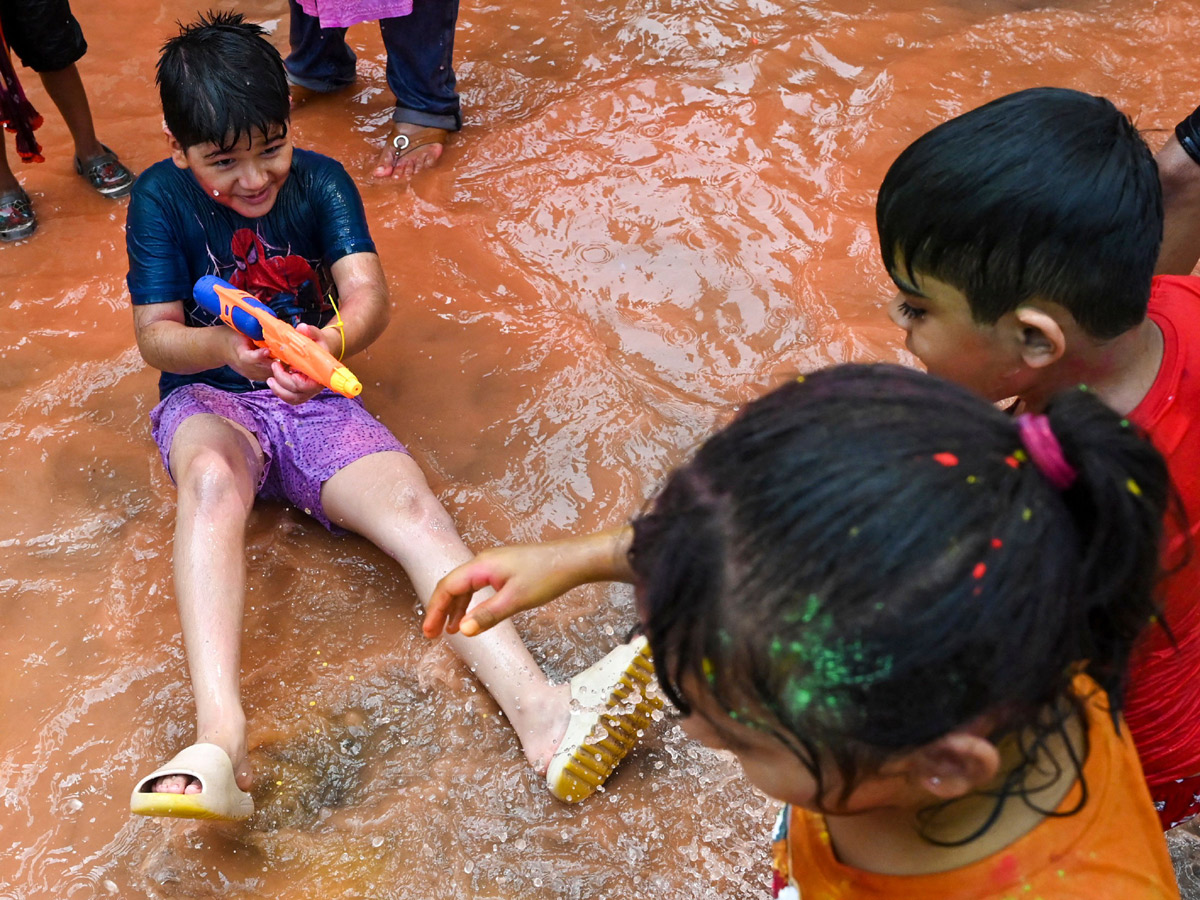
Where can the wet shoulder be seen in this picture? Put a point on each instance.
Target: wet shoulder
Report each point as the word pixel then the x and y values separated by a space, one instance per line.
pixel 321 201
pixel 160 180
pixel 1167 412
pixel 315 175
pixel 164 193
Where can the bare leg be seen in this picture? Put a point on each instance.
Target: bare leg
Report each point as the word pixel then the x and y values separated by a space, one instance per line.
pixel 65 88
pixel 1180 175
pixel 8 181
pixel 216 465
pixel 385 498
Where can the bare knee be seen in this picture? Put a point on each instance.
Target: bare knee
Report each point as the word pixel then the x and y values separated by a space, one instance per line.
pixel 215 486
pixel 385 498
pixel 416 509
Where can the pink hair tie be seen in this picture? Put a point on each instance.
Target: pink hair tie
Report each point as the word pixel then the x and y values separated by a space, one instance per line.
pixel 1045 450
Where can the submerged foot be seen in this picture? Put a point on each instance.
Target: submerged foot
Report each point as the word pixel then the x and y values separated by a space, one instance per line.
pixel 410 149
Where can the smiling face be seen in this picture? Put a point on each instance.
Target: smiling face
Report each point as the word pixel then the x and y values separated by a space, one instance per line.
pixel 246 177
pixel 941 332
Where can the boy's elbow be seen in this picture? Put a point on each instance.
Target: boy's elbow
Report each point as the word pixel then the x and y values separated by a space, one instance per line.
pixel 149 349
pixel 142 339
pixel 380 314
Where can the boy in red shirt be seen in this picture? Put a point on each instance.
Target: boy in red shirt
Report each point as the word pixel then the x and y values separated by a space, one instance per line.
pixel 1023 237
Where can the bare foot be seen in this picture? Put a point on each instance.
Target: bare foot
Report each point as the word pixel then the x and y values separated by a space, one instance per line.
pixel 176 784
pixel 410 149
pixel 542 724
pixel 186 784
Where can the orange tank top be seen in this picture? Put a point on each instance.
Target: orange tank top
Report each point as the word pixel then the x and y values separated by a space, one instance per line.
pixel 1112 849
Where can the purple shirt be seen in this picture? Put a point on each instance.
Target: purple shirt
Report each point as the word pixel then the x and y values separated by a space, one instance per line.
pixel 344 13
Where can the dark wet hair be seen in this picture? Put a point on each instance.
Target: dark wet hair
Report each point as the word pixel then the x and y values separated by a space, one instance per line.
pixel 1047 192
pixel 866 560
pixel 220 80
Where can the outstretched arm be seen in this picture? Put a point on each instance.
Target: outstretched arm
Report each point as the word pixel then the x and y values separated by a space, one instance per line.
pixel 525 576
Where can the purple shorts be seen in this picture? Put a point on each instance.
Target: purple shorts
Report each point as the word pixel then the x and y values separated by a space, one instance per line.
pixel 303 446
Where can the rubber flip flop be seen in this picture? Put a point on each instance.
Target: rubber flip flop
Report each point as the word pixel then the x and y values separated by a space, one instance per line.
pixel 106 174
pixel 610 708
pixel 219 797
pixel 17 219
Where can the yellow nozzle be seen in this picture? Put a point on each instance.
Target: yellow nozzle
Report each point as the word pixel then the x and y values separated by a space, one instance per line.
pixel 344 382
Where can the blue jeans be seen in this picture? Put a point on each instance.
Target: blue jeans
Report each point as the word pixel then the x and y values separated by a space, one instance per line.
pixel 419 65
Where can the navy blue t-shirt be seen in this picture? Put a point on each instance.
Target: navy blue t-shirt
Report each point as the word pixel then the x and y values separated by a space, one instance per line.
pixel 175 233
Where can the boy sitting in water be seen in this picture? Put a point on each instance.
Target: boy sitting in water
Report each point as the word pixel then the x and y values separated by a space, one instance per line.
pixel 1023 237
pixel 236 200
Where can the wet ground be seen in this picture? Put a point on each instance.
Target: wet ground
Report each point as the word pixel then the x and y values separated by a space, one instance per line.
pixel 1184 843
pixel 657 209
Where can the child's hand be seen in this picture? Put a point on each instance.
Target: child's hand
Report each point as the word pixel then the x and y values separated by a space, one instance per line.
pixel 246 358
pixel 524 576
pixel 290 385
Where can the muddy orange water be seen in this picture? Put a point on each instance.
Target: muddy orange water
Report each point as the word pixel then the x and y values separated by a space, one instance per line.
pixel 656 210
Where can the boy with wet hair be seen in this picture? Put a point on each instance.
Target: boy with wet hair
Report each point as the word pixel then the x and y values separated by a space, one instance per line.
pixel 1023 237
pixel 236 200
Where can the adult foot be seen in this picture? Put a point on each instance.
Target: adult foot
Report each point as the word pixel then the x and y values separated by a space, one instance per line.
pixel 409 149
pixel 317 86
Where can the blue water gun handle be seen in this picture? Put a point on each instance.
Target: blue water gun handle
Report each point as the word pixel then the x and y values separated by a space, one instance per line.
pixel 205 295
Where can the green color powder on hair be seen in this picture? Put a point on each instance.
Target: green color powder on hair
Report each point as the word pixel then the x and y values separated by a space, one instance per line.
pixel 822 668
pixel 805 614
pixel 811 608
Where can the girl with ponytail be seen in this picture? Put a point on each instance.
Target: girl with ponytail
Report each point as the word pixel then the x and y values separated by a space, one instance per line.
pixel 909 615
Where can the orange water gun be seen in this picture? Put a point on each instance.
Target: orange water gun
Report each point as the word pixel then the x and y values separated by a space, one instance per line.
pixel 249 316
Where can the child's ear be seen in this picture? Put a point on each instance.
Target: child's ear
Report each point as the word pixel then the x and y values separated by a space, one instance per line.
pixel 1042 339
pixel 178 156
pixel 954 765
